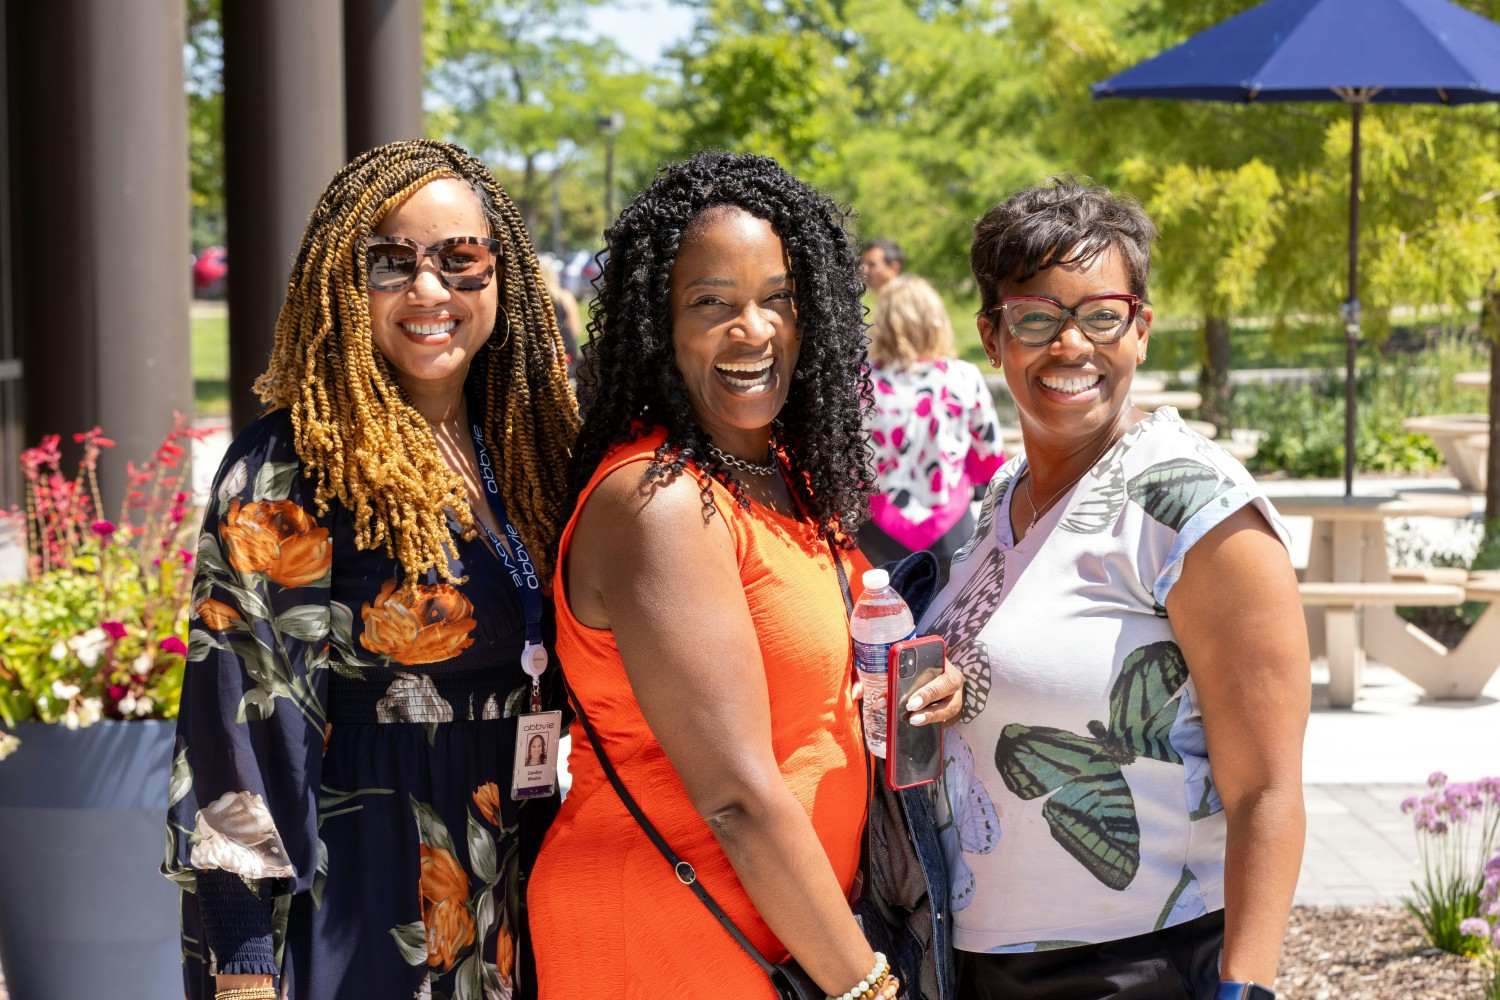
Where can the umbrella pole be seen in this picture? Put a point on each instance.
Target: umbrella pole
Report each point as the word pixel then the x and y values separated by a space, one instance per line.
pixel 1351 305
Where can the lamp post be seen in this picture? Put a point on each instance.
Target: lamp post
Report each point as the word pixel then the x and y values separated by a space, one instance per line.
pixel 609 126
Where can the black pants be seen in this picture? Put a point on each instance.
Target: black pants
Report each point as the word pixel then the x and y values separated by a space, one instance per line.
pixel 881 548
pixel 1178 963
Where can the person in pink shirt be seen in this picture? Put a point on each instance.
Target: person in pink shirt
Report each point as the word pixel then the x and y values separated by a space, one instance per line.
pixel 933 429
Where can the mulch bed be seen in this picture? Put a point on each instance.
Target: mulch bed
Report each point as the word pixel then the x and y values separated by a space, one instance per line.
pixel 1360 953
pixel 1369 953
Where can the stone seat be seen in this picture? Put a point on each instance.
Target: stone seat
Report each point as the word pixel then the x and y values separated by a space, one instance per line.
pixel 1340 601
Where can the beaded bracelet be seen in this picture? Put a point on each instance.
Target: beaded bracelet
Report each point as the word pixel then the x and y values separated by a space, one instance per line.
pixel 865 988
pixel 247 993
pixel 890 986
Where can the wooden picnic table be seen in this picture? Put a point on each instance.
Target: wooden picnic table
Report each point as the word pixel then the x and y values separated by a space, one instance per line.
pixel 1348 546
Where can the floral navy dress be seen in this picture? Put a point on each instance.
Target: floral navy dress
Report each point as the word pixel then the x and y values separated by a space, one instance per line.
pixel 339 811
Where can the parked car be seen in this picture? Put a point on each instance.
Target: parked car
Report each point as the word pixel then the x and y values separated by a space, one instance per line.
pixel 210 272
pixel 579 272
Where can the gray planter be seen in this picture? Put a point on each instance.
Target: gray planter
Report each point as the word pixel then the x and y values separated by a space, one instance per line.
pixel 83 910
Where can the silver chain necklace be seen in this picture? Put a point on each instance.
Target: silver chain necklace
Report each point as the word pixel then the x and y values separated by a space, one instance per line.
pixel 1036 511
pixel 734 462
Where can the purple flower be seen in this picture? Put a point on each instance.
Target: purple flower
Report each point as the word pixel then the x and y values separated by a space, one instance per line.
pixel 1437 779
pixel 172 644
pixel 103 529
pixel 1474 927
pixel 1409 803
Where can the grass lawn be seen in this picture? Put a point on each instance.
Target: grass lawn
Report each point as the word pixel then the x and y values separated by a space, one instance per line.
pixel 210 365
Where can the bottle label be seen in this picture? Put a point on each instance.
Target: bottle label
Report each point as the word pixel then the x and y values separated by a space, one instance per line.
pixel 874 657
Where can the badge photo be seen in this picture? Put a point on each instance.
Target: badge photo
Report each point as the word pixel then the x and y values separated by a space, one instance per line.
pixel 535 772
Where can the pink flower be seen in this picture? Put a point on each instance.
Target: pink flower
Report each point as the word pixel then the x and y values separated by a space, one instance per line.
pixel 103 529
pixel 172 644
pixel 1475 927
pixel 1437 779
pixel 179 498
pixel 185 556
pixel 114 629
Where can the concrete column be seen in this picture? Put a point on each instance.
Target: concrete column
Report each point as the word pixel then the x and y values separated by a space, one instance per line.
pixel 283 142
pixel 98 143
pixel 382 72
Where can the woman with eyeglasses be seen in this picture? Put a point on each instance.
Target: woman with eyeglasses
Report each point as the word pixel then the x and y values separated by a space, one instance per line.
pixel 1122 795
pixel 369 639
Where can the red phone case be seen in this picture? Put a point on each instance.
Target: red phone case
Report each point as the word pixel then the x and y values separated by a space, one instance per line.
pixel 895 702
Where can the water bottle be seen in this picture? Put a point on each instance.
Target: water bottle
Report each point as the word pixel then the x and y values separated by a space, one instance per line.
pixel 880 618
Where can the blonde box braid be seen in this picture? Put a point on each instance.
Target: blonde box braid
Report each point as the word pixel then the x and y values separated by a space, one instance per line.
pixel 356 431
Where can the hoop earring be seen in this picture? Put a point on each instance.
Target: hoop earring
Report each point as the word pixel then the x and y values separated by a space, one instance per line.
pixel 505 316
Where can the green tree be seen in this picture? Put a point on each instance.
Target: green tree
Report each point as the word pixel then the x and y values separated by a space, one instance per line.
pixel 204 65
pixel 508 80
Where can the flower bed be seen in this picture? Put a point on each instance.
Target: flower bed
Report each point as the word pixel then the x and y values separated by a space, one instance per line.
pixel 98 627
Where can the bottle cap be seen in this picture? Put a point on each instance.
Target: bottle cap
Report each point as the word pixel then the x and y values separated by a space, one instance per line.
pixel 875 579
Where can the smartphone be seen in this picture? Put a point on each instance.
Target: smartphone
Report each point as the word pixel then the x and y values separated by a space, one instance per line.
pixel 913 754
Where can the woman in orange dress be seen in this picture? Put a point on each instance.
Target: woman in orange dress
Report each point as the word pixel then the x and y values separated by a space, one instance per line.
pixel 701 621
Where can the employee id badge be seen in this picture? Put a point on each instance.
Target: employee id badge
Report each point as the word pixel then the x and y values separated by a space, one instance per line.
pixel 535 772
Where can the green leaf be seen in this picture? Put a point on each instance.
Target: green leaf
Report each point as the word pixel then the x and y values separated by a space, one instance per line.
pixel 248 601
pixel 306 622
pixel 200 644
pixel 482 854
pixel 411 942
pixel 182 779
pixel 211 558
pixel 273 481
pixel 430 827
pixel 257 705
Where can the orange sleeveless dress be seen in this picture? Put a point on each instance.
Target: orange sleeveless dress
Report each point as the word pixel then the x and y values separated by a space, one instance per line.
pixel 608 917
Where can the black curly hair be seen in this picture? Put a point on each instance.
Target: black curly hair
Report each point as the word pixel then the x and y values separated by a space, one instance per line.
pixel 628 378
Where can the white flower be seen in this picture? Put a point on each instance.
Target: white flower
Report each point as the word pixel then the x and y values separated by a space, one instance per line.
pixel 8 745
pixel 64 691
pixel 141 665
pixel 90 645
pixel 234 481
pixel 71 719
pixel 59 650
pixel 238 835
pixel 144 706
pixel 413 698
pixel 90 711
pixel 127 704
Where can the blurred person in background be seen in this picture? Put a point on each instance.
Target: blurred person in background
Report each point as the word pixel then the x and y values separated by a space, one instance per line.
pixel 933 429
pixel 880 261
pixel 564 306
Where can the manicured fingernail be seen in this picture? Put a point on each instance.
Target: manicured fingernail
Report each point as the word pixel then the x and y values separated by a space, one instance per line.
pixel 914 703
pixel 919 720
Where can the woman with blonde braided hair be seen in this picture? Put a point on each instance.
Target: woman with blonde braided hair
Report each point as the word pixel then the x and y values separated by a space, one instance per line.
pixel 348 812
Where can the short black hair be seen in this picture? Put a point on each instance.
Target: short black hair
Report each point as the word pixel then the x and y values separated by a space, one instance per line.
pixel 628 379
pixel 1067 220
pixel 890 248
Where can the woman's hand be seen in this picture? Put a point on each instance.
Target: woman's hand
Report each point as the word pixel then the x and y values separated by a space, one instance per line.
pixel 938 701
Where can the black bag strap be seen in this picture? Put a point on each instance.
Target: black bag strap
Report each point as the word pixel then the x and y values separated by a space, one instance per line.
pixel 684 871
pixel 838 565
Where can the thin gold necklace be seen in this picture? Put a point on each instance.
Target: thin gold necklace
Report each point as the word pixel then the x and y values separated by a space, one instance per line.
pixel 1036 511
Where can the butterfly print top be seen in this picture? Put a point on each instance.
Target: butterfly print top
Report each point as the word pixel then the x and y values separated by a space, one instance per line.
pixel 1079 803
pixel 934 433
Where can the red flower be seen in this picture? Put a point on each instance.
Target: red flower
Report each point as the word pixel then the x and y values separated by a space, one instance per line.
pixel 115 629
pixel 103 529
pixel 172 644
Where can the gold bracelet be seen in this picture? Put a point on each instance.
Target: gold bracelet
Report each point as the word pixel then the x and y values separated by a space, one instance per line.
pixel 247 993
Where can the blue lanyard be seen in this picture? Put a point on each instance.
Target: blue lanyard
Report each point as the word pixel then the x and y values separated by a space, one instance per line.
pixel 522 571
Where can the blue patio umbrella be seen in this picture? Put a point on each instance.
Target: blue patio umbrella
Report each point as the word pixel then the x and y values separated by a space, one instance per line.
pixel 1355 51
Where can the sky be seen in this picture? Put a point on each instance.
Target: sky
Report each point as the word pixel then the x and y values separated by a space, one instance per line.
pixel 644 29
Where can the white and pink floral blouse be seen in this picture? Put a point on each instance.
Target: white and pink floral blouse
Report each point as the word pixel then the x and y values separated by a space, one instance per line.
pixel 935 436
